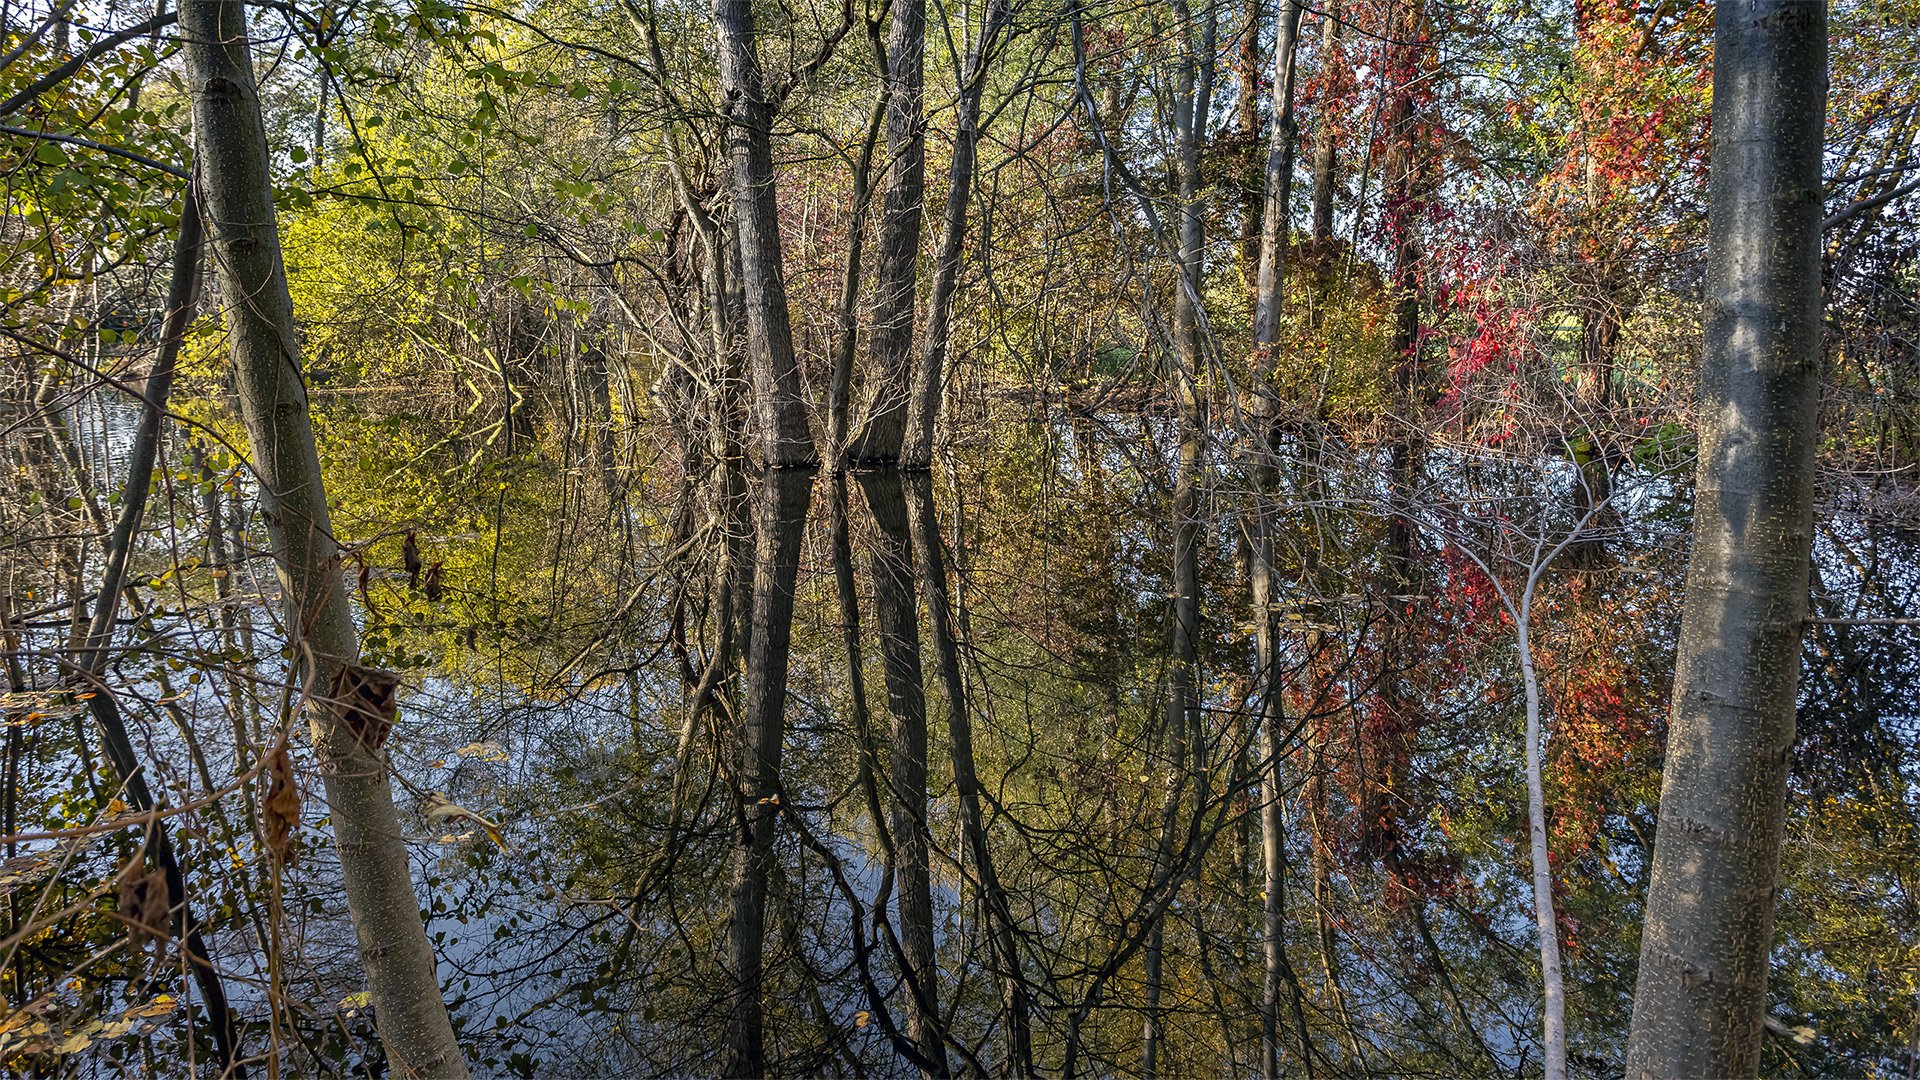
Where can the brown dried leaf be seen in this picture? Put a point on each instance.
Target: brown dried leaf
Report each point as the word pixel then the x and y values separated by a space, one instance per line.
pixel 282 806
pixel 146 902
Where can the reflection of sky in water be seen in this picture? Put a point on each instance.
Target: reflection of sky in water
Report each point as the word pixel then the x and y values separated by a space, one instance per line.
pixel 558 767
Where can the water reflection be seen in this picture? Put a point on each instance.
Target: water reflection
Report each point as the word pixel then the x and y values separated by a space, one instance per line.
pixel 879 778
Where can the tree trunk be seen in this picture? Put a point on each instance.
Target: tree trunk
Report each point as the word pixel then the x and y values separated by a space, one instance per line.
pixel 779 515
pixel 1270 275
pixel 897 620
pixel 929 381
pixel 1701 999
pixel 1553 990
pixel 999 915
pixel 779 409
pixel 896 271
pixel 1184 743
pixel 237 182
pixel 1323 145
pixel 1269 282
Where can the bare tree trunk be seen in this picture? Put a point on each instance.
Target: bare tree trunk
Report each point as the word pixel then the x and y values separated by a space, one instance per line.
pixel 933 586
pixel 1270 275
pixel 929 381
pixel 779 409
pixel 1323 145
pixel 1701 999
pixel 1553 989
pixel 1185 750
pixel 840 380
pixel 236 179
pixel 1269 283
pixel 1246 123
pixel 896 270
pixel 779 516
pixel 897 620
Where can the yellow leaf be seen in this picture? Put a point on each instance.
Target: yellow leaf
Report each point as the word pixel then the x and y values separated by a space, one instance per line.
pixel 73 1043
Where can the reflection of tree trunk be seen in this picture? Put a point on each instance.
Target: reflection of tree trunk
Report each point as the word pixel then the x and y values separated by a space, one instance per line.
pixel 1702 995
pixel 1269 281
pixel 261 337
pixel 1184 744
pixel 897 619
pixel 1599 335
pixel 779 517
pixel 182 300
pixel 779 409
pixel 848 593
pixel 1000 925
pixel 896 269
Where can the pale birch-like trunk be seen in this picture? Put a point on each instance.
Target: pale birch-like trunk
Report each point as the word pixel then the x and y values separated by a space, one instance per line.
pixel 1269 284
pixel 1700 1005
pixel 238 191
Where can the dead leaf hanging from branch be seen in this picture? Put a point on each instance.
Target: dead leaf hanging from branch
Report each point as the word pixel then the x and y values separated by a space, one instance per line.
pixel 282 806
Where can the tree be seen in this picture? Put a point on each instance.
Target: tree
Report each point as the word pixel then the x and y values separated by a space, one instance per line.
pixel 1700 1004
pixel 778 408
pixel 348 703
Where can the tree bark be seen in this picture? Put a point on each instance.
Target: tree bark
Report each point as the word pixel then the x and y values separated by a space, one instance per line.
pixel 1323 150
pixel 1184 743
pixel 1269 282
pixel 896 270
pixel 237 182
pixel 780 411
pixel 779 515
pixel 929 381
pixel 1270 275
pixel 1701 999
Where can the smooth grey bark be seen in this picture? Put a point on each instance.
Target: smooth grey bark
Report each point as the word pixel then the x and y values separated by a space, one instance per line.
pixel 1700 1004
pixel 779 409
pixel 779 518
pixel 897 620
pixel 238 191
pixel 897 265
pixel 929 382
pixel 928 547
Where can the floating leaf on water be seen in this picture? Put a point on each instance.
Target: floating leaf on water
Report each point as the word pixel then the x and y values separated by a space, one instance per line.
pixel 484 751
